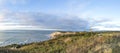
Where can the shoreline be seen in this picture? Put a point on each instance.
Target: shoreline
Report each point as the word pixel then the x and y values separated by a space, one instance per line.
pixel 70 43
pixel 62 33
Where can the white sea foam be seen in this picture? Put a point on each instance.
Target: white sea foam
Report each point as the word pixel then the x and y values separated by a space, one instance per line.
pixel 22 37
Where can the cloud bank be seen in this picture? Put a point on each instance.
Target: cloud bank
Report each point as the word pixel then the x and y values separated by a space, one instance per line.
pixel 41 21
pixel 82 14
pixel 106 26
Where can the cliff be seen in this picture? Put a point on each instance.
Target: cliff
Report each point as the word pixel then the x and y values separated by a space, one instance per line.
pixel 57 34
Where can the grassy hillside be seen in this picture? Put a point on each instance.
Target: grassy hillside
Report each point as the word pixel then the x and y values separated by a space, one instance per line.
pixel 80 42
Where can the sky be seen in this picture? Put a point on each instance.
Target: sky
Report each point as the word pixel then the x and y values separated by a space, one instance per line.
pixel 70 15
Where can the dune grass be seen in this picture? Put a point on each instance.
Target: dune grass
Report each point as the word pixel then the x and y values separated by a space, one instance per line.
pixel 85 42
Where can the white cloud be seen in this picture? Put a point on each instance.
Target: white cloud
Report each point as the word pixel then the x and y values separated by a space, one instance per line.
pixel 26 20
pixel 103 28
pixel 17 2
pixel 74 7
pixel 14 2
pixel 20 27
pixel 107 25
pixel 1 17
pixel 17 26
pixel 2 2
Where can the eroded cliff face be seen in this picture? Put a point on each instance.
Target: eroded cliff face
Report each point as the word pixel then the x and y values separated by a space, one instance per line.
pixel 57 34
pixel 53 35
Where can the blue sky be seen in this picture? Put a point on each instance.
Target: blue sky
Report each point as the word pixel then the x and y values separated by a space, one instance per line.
pixel 60 14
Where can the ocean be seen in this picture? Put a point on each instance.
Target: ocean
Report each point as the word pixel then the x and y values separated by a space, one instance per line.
pixel 9 37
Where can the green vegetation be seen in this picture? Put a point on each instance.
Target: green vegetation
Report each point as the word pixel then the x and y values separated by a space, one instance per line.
pixel 80 42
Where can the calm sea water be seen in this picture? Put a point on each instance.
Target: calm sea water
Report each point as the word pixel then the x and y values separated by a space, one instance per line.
pixel 23 36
